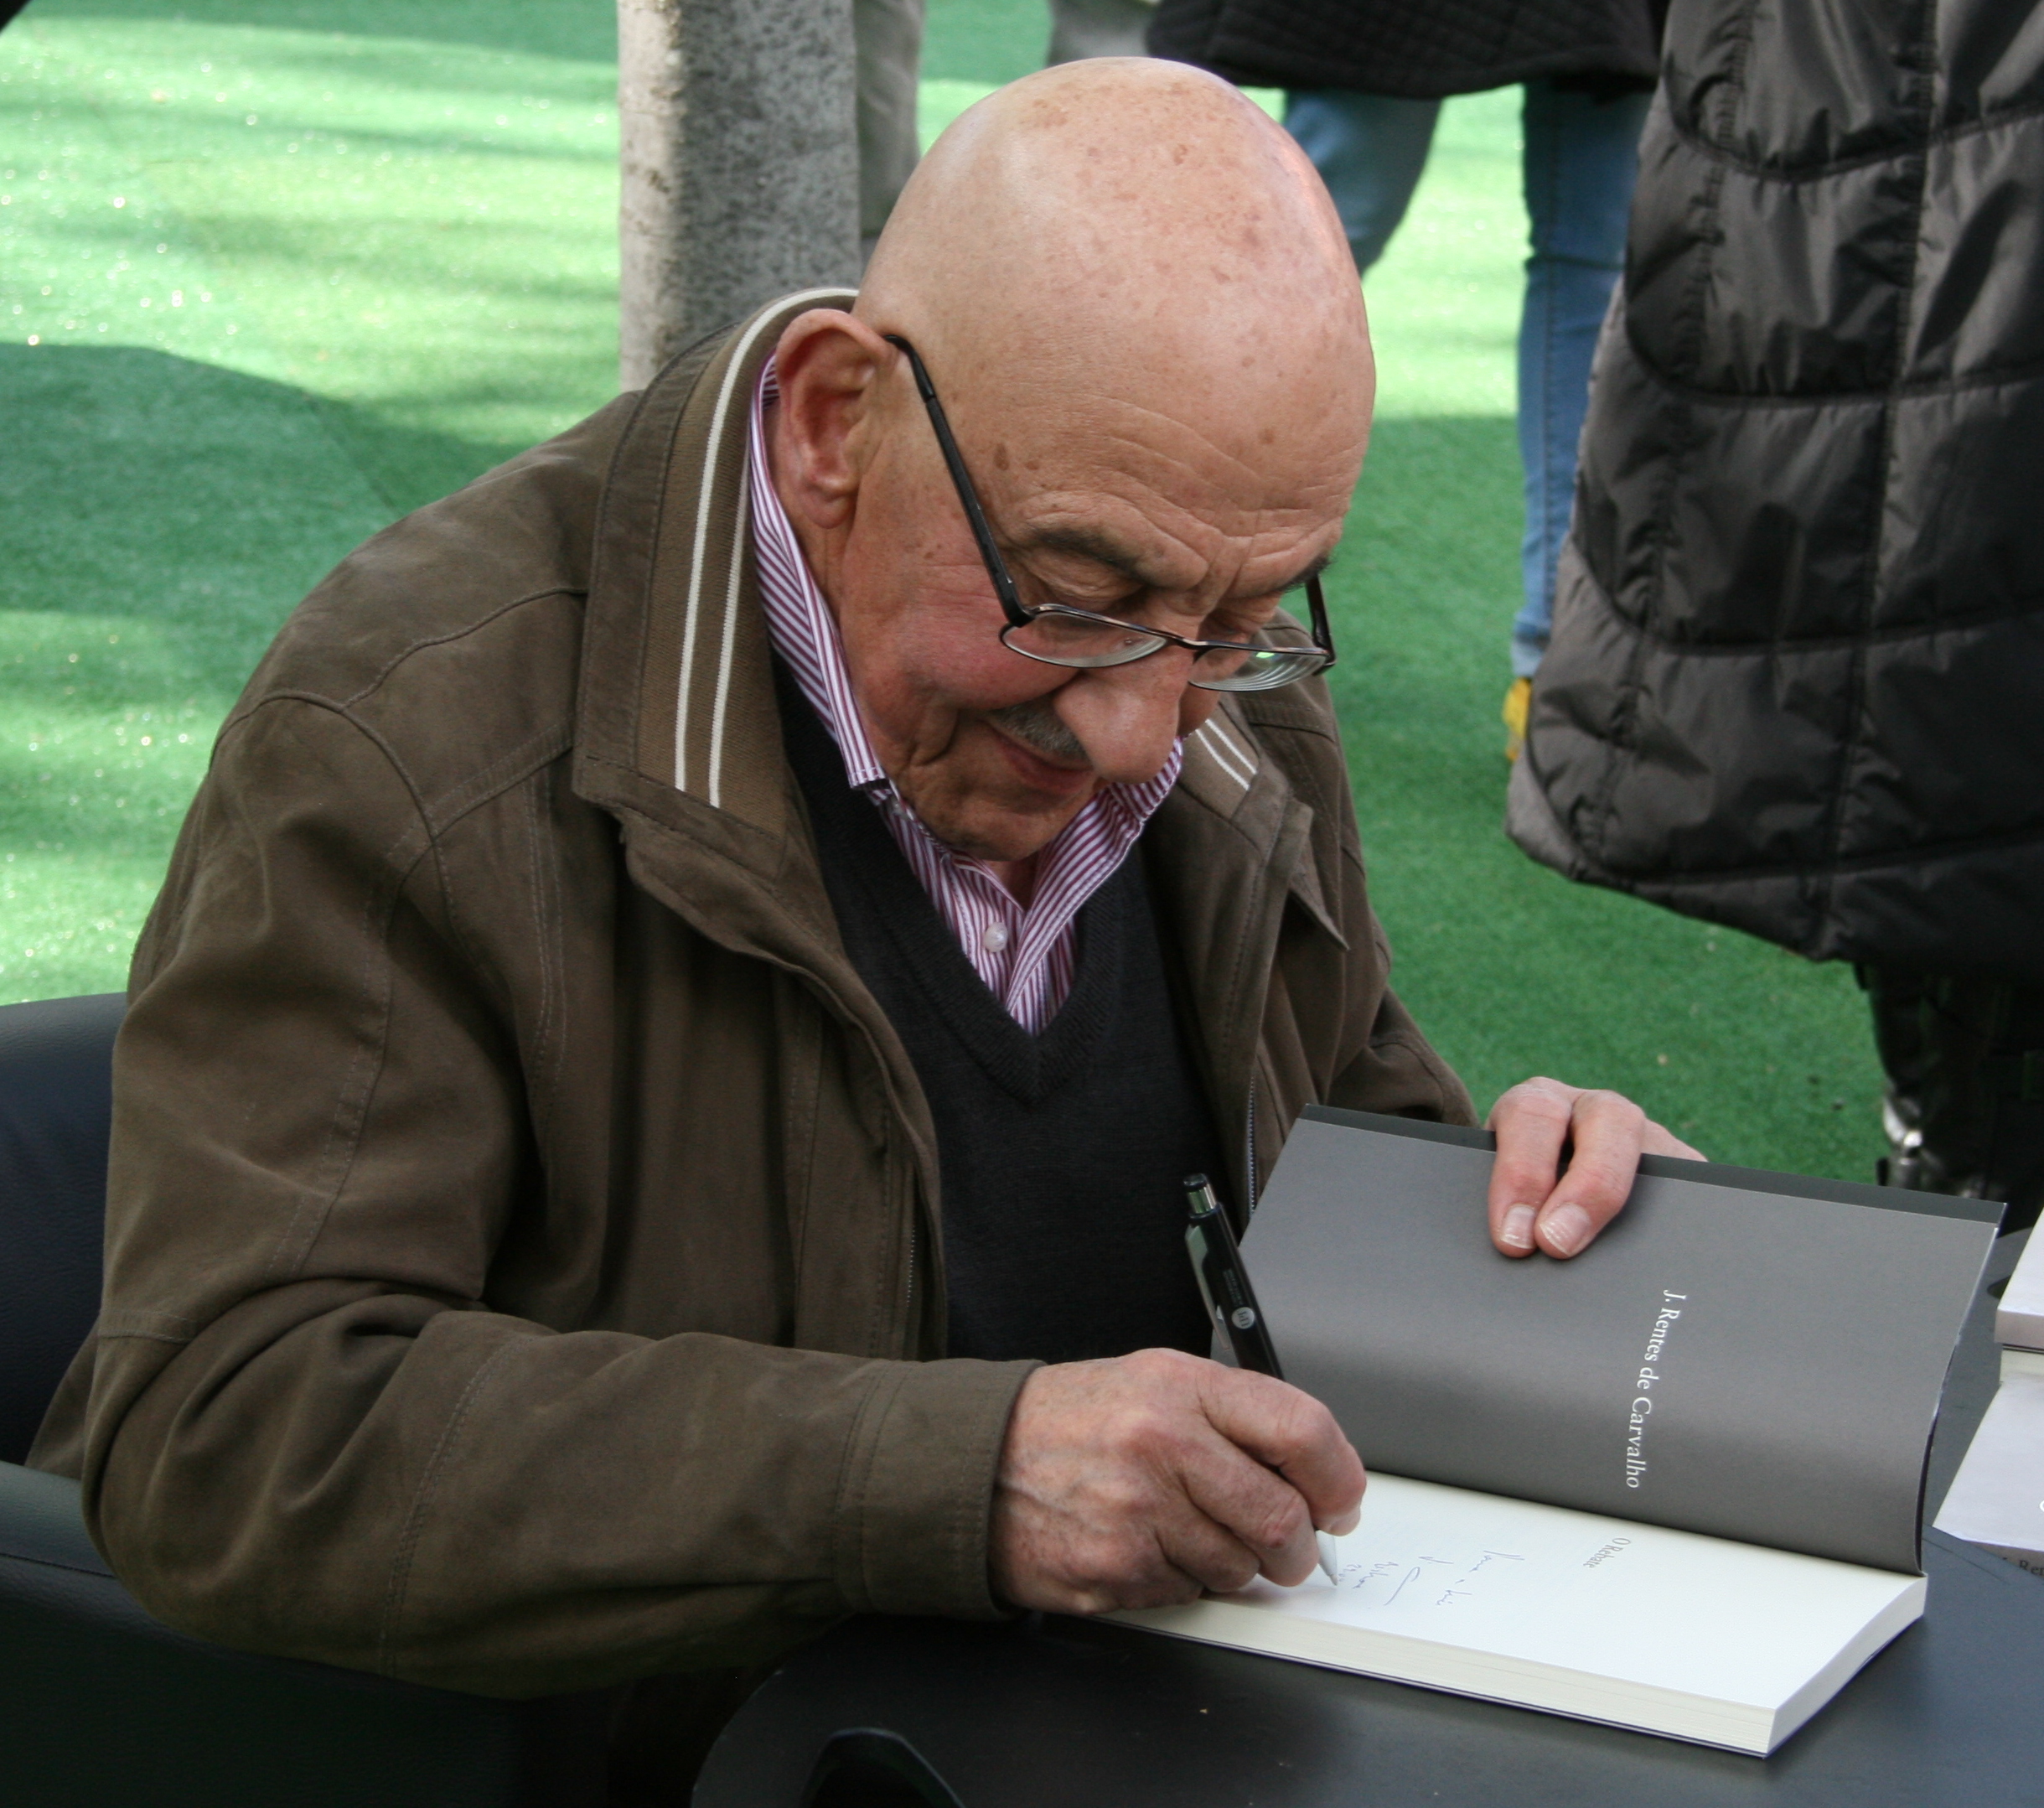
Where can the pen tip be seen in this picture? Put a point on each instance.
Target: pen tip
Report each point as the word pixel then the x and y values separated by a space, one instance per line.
pixel 1194 1180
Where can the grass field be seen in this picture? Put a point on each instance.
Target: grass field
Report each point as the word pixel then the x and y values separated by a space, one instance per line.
pixel 274 271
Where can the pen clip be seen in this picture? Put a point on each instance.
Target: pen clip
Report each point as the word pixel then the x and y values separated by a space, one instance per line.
pixel 1196 1248
pixel 1223 1282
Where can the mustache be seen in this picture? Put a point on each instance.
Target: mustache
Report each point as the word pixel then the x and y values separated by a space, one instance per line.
pixel 1039 726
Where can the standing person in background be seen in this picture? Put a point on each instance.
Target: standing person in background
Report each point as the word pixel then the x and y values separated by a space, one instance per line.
pixel 889 34
pixel 1364 81
pixel 1798 672
pixel 1080 28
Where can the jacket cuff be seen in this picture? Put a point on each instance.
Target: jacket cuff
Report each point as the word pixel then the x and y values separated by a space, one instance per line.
pixel 917 1503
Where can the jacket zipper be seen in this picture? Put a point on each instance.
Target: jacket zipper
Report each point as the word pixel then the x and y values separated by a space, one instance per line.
pixel 914 1342
pixel 1249 1147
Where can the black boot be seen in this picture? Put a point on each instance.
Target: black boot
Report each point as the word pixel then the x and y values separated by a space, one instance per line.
pixel 1964 1104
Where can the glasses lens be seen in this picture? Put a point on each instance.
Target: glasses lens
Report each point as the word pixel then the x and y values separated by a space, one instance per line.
pixel 1059 638
pixel 1255 668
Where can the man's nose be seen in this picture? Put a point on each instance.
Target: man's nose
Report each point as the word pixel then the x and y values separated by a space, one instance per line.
pixel 1127 716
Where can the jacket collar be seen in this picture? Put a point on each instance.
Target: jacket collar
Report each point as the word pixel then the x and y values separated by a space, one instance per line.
pixel 676 713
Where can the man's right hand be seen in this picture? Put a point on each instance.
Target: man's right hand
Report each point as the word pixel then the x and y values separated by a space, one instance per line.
pixel 1141 1480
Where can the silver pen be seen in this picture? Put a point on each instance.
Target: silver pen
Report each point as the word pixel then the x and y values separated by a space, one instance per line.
pixel 1325 1540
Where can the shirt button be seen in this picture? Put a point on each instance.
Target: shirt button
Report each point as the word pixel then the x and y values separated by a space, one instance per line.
pixel 993 938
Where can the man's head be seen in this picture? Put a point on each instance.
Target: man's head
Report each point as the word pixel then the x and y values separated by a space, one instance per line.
pixel 1138 307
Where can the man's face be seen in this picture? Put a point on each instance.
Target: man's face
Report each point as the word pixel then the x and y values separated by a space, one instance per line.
pixel 1163 514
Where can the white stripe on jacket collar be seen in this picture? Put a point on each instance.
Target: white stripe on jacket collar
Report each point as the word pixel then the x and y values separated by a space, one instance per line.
pixel 735 360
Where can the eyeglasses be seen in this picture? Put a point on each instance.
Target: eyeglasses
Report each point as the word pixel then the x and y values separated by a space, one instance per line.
pixel 1056 635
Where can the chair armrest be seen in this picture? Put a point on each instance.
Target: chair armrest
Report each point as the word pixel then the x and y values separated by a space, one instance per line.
pixel 100 1704
pixel 40 1523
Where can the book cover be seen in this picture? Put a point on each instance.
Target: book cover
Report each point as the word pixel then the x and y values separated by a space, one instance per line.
pixel 1706 1437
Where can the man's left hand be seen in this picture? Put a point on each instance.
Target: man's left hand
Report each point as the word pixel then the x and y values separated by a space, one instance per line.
pixel 1533 1204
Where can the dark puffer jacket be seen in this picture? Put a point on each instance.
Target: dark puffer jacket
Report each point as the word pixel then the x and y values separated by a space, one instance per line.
pixel 1797 678
pixel 1421 51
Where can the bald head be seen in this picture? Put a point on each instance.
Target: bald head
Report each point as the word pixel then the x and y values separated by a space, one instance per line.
pixel 1136 217
pixel 1135 302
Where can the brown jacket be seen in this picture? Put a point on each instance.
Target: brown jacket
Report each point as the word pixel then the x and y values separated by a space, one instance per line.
pixel 521 1272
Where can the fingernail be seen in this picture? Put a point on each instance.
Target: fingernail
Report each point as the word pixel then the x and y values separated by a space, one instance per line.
pixel 1346 1524
pixel 1566 1229
pixel 1518 1230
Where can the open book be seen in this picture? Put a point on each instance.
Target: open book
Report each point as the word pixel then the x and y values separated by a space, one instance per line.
pixel 1674 1484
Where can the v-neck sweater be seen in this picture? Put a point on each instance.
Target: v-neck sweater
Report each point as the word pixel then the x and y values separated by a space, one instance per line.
pixel 1060 1155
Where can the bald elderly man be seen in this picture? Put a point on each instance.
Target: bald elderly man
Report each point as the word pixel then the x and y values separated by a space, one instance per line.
pixel 653 1108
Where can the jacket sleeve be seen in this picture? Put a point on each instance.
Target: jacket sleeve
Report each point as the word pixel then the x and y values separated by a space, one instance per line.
pixel 307 1432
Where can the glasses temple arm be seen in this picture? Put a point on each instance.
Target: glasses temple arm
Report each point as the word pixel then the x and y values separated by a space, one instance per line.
pixel 961 481
pixel 1323 635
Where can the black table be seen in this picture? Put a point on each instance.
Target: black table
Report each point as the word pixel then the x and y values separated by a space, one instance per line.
pixel 1049 1711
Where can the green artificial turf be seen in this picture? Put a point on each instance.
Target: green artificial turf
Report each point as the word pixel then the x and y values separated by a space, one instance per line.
pixel 273 272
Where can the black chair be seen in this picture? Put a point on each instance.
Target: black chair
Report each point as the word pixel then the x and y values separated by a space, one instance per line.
pixel 102 1706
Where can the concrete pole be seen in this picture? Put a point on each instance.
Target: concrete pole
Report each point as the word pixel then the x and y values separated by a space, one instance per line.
pixel 740 164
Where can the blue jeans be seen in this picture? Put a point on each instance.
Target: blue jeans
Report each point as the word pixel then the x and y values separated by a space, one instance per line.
pixel 1581 157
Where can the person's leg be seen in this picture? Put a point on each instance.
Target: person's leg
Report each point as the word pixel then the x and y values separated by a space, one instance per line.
pixel 889 37
pixel 1581 160
pixel 1965 1103
pixel 1369 149
pixel 1080 28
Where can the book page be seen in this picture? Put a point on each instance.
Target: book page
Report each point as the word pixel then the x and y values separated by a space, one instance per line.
pixel 1606 1620
pixel 1723 1359
pixel 1608 1598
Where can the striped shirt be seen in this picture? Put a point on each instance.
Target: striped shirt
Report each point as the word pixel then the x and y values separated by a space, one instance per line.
pixel 1025 953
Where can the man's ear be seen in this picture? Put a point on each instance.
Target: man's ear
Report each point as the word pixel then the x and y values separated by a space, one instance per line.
pixel 828 364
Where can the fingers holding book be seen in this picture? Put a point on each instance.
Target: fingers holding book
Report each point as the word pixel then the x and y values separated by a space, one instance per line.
pixel 1536 1202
